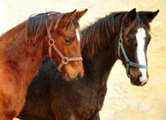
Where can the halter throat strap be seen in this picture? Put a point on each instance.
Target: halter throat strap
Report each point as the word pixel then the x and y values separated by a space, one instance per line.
pixel 128 62
pixel 51 42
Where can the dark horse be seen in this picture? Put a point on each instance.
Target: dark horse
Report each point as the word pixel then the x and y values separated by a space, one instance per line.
pixel 23 48
pixel 120 35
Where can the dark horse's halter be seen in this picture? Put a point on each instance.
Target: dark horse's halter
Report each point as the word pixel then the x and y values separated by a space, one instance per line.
pixel 51 42
pixel 128 62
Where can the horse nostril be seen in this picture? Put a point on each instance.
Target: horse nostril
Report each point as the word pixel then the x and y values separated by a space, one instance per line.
pixel 67 77
pixel 138 77
pixel 136 80
pixel 143 79
pixel 78 76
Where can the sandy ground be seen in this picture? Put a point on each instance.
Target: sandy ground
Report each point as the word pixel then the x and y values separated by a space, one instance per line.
pixel 123 101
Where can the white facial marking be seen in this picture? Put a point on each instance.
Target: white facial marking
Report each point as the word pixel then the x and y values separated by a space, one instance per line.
pixel 78 35
pixel 140 36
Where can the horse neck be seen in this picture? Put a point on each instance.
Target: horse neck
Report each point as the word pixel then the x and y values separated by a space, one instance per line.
pixel 101 36
pixel 20 57
pixel 99 67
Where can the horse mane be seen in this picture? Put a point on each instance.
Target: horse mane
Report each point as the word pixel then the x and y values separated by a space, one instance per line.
pixel 104 31
pixel 96 36
pixel 36 25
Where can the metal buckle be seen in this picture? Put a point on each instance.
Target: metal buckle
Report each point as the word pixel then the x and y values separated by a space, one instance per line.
pixel 51 42
pixel 65 60
pixel 120 41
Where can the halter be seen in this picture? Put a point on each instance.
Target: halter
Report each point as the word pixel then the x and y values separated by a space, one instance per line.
pixel 64 60
pixel 128 62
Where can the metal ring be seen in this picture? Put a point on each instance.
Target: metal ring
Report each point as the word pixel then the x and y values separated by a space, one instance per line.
pixel 51 42
pixel 65 60
pixel 120 40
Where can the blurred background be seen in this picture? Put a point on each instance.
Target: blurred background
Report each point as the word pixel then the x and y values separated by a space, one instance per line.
pixel 123 101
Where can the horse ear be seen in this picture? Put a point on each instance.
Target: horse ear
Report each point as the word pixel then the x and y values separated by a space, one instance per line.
pixel 66 19
pixel 79 14
pixel 131 16
pixel 151 15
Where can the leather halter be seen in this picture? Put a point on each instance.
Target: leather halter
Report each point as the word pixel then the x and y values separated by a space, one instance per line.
pixel 128 62
pixel 51 42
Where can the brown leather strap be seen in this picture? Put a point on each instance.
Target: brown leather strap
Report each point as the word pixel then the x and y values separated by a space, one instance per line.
pixel 52 44
pixel 66 60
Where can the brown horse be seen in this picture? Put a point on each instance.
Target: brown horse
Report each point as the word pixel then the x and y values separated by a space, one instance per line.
pixel 23 48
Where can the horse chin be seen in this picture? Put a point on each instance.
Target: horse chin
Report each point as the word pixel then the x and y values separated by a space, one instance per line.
pixel 67 78
pixel 70 77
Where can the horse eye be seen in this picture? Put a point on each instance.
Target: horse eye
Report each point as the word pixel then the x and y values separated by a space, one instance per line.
pixel 67 40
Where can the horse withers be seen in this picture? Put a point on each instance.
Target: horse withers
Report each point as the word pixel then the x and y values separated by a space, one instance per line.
pixel 23 47
pixel 121 35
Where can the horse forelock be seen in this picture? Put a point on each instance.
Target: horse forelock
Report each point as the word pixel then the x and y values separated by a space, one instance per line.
pixel 74 22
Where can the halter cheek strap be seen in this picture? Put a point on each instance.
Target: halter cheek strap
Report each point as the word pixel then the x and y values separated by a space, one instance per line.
pixel 51 42
pixel 128 62
pixel 64 60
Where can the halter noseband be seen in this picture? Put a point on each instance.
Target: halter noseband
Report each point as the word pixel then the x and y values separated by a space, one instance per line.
pixel 128 62
pixel 64 60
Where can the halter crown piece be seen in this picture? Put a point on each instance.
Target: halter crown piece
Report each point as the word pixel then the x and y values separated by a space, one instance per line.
pixel 64 60
pixel 128 62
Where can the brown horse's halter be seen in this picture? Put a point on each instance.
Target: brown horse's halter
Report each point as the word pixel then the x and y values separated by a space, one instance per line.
pixel 64 60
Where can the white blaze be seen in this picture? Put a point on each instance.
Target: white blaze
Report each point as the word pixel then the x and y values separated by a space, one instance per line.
pixel 78 35
pixel 140 36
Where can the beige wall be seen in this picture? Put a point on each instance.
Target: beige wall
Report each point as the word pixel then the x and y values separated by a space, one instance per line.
pixel 2 16
pixel 123 101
